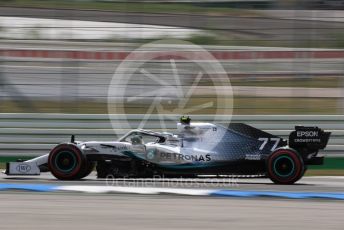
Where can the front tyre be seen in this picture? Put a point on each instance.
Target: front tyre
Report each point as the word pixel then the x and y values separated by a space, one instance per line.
pixel 88 169
pixel 66 162
pixel 285 166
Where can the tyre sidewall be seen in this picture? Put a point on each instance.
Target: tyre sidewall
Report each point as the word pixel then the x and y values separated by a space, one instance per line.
pixel 76 172
pixel 297 161
pixel 88 170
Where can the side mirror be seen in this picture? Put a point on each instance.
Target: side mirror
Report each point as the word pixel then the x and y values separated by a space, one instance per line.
pixel 72 139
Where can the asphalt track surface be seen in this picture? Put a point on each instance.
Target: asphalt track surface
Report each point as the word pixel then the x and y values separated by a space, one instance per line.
pixel 69 210
pixel 59 210
pixel 306 184
pixel 32 211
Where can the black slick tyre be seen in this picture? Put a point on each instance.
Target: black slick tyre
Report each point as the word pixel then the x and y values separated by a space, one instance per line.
pixel 285 166
pixel 66 162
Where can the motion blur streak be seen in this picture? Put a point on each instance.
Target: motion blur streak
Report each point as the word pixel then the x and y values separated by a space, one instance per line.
pixel 284 59
pixel 89 212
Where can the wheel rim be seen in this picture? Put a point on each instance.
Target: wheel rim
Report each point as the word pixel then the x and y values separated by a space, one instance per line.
pixel 284 166
pixel 65 161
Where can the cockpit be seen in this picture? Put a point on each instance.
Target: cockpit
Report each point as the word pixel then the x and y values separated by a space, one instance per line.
pixel 141 137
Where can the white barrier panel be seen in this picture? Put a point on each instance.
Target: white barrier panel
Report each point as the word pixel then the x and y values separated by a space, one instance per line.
pixel 30 134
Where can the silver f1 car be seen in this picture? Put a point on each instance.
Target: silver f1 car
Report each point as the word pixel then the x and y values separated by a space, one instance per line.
pixel 196 149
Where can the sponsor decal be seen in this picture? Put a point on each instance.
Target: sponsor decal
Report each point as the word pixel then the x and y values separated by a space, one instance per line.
pixel 182 157
pixel 253 157
pixel 23 168
pixel 116 148
pixel 307 140
pixel 307 133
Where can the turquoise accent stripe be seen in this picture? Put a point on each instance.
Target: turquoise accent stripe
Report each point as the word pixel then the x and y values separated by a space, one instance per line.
pixel 278 194
pixel 29 187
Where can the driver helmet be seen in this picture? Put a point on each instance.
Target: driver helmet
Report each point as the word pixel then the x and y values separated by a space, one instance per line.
pixel 136 140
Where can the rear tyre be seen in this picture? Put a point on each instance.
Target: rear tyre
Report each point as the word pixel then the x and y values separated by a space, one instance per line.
pixel 66 162
pixel 285 166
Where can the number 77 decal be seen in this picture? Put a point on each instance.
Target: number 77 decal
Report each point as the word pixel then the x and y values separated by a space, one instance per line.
pixel 265 140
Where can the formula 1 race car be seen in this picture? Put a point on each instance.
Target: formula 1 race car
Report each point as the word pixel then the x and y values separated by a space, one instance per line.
pixel 196 149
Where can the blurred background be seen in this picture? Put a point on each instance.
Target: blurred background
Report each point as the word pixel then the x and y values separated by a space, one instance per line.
pixel 284 60
pixel 98 68
pixel 282 57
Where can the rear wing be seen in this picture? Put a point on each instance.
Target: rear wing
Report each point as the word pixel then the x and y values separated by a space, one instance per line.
pixel 309 139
